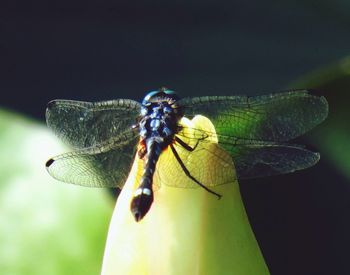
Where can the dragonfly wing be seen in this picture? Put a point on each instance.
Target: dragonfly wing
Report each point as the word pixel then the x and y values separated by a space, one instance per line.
pixel 254 159
pixel 85 124
pixel 251 158
pixel 105 165
pixel 208 163
pixel 275 117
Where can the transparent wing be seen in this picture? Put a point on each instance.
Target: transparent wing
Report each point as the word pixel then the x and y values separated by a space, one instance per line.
pixel 105 165
pixel 252 158
pixel 85 124
pixel 208 163
pixel 275 117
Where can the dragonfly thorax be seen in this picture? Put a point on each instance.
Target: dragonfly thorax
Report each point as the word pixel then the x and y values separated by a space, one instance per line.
pixel 159 115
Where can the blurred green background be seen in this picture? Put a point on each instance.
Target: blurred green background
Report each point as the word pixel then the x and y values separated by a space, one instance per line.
pixel 96 50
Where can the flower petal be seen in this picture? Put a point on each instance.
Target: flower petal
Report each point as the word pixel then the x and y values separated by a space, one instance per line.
pixel 187 231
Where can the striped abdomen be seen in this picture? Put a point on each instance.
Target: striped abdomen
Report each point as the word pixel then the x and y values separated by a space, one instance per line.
pixel 143 196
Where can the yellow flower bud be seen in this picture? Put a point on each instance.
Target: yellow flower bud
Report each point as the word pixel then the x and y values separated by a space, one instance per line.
pixel 187 230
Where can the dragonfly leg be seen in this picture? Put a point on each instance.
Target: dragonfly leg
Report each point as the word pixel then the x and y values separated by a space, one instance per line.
pixel 185 145
pixel 188 174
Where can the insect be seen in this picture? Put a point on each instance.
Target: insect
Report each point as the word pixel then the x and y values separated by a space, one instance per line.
pixel 253 130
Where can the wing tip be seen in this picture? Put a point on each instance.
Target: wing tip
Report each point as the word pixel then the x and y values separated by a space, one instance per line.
pixel 325 106
pixel 49 162
pixel 317 158
pixel 321 105
pixel 51 104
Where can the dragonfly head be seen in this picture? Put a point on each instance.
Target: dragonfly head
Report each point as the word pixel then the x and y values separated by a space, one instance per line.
pixel 164 99
pixel 161 95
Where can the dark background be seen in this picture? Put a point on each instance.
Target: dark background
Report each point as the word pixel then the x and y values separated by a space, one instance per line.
pixel 111 49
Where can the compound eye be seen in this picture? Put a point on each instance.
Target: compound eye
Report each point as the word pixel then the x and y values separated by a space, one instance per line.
pixel 167 110
pixel 143 111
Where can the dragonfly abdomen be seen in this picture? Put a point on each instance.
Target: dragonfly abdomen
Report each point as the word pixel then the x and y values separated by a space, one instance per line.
pixel 143 196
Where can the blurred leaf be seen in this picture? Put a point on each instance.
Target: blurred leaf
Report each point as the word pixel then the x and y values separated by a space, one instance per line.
pixel 333 135
pixel 46 227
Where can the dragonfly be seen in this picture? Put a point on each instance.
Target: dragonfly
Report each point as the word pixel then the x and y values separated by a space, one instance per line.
pixel 254 130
